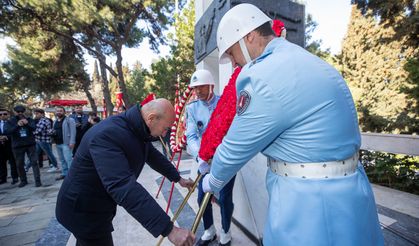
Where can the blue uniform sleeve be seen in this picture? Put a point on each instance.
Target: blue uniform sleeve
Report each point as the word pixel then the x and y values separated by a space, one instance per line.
pixel 251 131
pixel 192 137
pixel 120 182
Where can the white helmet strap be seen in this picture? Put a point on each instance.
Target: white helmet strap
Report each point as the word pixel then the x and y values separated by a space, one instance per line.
pixel 244 50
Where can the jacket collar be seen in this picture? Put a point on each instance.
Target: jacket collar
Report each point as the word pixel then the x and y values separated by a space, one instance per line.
pixel 137 123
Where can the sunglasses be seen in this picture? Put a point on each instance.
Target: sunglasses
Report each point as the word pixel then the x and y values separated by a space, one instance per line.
pixel 20 112
pixel 4 114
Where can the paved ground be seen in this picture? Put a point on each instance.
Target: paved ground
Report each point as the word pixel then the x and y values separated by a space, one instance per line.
pixel 27 214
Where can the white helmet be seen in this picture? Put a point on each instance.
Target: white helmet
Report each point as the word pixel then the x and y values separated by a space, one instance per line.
pixel 201 77
pixel 236 24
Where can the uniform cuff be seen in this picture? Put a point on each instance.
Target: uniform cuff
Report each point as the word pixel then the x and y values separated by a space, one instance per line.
pixel 215 184
pixel 168 229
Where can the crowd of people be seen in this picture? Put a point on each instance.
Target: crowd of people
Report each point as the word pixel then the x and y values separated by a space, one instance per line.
pixel 26 141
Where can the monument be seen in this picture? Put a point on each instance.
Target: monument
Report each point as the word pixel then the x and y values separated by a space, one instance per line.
pixel 250 196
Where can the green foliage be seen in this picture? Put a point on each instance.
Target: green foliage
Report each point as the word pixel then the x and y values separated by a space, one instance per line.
pixel 314 46
pixel 375 63
pixel 136 85
pixel 394 171
pixel 101 27
pixel 179 66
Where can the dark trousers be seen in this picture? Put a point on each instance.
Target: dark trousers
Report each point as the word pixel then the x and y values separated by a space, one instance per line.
pixel 20 162
pixel 226 205
pixel 105 240
pixel 6 154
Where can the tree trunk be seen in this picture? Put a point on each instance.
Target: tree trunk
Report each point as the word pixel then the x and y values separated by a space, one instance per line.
pixel 121 79
pixel 105 83
pixel 89 96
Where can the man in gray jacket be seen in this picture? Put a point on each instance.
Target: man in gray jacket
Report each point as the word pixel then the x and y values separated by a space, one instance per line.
pixel 65 138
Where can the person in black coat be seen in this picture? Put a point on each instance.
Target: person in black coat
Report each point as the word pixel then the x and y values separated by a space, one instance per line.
pixel 21 129
pixel 6 153
pixel 104 174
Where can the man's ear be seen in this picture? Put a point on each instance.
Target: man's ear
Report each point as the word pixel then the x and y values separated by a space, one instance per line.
pixel 250 37
pixel 151 116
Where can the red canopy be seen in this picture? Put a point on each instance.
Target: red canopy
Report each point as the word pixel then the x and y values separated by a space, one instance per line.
pixel 63 102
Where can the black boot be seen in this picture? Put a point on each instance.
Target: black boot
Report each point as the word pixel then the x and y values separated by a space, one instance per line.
pixel 22 183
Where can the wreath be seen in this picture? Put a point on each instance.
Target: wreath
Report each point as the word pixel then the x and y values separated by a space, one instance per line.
pixel 177 134
pixel 220 119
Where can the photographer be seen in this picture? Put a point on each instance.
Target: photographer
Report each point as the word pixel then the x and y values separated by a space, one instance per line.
pixel 21 129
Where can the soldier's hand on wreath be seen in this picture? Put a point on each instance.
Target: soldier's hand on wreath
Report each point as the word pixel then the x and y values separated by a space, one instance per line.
pixel 204 167
pixel 205 184
pixel 186 183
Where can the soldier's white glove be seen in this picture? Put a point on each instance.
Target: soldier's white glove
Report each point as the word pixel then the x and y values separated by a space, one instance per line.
pixel 204 167
pixel 205 184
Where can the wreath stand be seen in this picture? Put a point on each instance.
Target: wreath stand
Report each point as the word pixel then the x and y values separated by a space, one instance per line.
pixel 177 139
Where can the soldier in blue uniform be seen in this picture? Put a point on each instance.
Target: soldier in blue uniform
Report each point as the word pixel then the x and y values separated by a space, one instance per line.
pixel 298 111
pixel 198 116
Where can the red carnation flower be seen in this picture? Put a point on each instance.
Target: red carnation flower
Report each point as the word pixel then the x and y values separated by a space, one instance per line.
pixel 278 27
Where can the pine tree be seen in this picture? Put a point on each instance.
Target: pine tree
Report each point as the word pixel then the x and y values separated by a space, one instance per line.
pixel 179 65
pixel 374 55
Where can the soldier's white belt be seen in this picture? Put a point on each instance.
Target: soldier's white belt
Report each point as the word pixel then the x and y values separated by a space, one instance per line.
pixel 328 169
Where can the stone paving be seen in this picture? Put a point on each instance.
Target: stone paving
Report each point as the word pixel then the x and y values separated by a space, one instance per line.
pixel 25 213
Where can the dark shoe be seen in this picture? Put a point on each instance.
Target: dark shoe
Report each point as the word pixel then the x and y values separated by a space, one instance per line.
pixel 14 181
pixel 60 177
pixel 205 242
pixel 22 183
pixel 38 184
pixel 3 182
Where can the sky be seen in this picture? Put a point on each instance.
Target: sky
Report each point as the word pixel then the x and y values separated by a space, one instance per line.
pixel 332 17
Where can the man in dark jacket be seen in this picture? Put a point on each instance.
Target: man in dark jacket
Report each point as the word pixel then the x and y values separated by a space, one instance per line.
pixel 81 120
pixel 6 153
pixel 21 129
pixel 104 171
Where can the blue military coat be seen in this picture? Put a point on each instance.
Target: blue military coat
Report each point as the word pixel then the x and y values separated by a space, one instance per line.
pixel 198 114
pixel 293 106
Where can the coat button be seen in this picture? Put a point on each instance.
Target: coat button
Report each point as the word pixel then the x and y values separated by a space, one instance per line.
pixel 324 165
pixel 286 174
